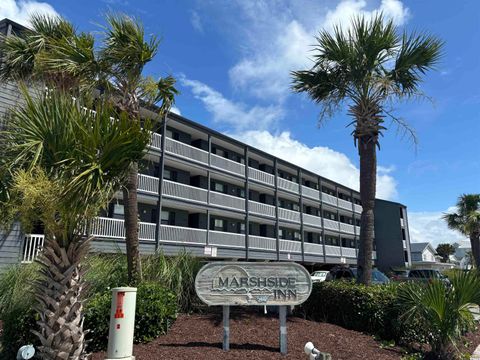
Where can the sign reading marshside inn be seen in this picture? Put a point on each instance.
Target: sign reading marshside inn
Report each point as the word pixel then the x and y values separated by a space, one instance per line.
pixel 249 283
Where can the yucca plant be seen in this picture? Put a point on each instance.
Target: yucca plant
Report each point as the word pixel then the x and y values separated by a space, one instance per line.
pixel 367 67
pixel 60 165
pixel 443 309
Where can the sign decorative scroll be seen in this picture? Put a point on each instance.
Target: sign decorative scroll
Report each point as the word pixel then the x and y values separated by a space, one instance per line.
pixel 253 283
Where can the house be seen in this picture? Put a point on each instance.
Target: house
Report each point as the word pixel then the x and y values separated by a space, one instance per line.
pixel 216 197
pixel 425 256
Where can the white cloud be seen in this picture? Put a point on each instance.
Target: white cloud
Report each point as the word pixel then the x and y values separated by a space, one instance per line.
pixel 20 11
pixel 237 115
pixel 430 227
pixel 196 21
pixel 175 110
pixel 277 39
pixel 322 160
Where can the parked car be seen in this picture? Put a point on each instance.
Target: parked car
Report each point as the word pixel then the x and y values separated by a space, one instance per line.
pixel 399 275
pixel 350 273
pixel 427 275
pixel 319 276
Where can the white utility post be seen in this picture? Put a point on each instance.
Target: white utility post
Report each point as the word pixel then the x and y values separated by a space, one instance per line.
pixel 122 324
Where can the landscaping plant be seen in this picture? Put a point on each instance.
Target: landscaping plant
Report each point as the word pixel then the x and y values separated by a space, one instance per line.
pixel 366 67
pixel 443 309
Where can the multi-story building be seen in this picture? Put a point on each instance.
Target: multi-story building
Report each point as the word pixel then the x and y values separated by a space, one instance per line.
pixel 216 197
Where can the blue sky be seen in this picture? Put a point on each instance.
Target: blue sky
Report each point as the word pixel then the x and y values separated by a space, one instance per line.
pixel 232 59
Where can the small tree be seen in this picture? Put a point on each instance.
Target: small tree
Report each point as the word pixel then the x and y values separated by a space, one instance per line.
pixel 445 250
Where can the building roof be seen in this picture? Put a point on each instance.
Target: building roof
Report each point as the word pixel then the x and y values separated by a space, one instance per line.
pixel 420 247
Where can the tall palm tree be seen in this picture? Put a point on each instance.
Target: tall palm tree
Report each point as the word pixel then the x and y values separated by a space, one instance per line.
pixel 367 67
pixel 61 165
pixel 467 221
pixel 70 60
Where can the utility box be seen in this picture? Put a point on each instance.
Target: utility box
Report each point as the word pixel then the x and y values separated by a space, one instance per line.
pixel 122 324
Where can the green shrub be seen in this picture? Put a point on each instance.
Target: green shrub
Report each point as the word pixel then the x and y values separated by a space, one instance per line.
pixel 156 310
pixel 17 325
pixel 105 271
pixel 16 286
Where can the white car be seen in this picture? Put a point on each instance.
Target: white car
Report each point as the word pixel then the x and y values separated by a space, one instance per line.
pixel 319 276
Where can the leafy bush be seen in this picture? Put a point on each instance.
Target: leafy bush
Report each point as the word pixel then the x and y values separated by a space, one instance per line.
pixel 371 309
pixel 155 312
pixel 17 325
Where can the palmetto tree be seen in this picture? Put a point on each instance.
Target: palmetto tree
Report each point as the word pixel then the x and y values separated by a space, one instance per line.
pixel 70 60
pixel 61 165
pixel 467 221
pixel 367 67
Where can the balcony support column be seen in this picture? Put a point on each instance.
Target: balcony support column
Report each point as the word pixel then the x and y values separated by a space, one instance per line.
pixel 321 217
pixel 208 194
pixel 209 153
pixel 277 225
pixel 247 210
pixel 163 132
pixel 302 235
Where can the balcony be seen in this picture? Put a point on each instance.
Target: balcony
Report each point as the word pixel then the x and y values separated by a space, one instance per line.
pixel 182 235
pixel 357 230
pixel 156 142
pixel 261 176
pixel 227 165
pixel 329 199
pixel 102 227
pixel 227 201
pixel 258 208
pixel 310 193
pixel 404 244
pixel 357 208
pixel 312 220
pixel 287 185
pixel 349 252
pixel 332 250
pixel 347 228
pixel 182 191
pixel 289 215
pixel 148 184
pixel 290 246
pixel 330 224
pixel 402 222
pixel 262 243
pixel 32 247
pixel 313 249
pixel 344 204
pixel 186 151
pixel 226 239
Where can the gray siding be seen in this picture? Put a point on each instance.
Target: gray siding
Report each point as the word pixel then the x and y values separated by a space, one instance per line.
pixel 11 242
pixel 9 96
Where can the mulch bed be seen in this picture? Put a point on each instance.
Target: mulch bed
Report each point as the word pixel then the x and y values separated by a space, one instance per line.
pixel 255 336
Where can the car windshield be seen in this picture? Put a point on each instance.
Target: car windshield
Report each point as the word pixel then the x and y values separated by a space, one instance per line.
pixel 377 275
pixel 427 274
pixel 320 273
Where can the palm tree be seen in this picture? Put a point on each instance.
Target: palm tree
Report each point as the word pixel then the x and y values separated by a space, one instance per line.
pixel 70 61
pixel 367 67
pixel 61 165
pixel 467 221
pixel 444 310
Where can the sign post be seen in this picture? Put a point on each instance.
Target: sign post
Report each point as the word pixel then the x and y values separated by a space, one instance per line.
pixel 249 283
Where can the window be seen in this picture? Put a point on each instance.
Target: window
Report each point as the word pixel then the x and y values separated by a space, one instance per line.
pixel 296 207
pixel 219 187
pixel 118 211
pixel 169 134
pixel 405 255
pixel 241 193
pixel 165 217
pixel 218 223
pixel 242 228
pixel 280 233
pixel 401 213
pixel 404 237
pixel 297 236
pixel 167 174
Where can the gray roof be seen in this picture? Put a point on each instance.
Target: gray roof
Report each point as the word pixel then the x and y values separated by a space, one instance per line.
pixel 419 247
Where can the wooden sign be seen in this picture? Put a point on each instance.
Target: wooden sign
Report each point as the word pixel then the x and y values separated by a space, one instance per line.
pixel 253 283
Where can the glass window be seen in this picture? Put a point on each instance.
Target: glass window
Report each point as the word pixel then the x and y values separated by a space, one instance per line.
pixel 219 187
pixel 169 134
pixel 165 217
pixel 118 211
pixel 280 233
pixel 297 236
pixel 218 223
pixel 296 207
pixel 242 228
pixel 167 174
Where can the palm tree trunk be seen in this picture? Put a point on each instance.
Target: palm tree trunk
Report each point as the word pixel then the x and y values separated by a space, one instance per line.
pixel 475 244
pixel 368 179
pixel 131 226
pixel 59 295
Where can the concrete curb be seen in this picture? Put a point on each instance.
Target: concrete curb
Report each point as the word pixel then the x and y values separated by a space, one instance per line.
pixel 476 354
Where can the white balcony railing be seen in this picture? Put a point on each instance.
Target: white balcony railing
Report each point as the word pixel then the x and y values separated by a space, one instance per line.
pixel 33 244
pixel 179 234
pixel 261 209
pixel 357 230
pixel 332 250
pixel 290 246
pixel 227 201
pixel 374 255
pixel 330 224
pixel 310 193
pixel 312 220
pixel 261 176
pixel 349 252
pixel 102 227
pixel 186 151
pixel 226 239
pixel 289 215
pixel 402 222
pixel 329 199
pixel 344 204
pixel 347 228
pixel 148 184
pixel 288 185
pixel 313 249
pixel 156 141
pixel 227 164
pixel 357 208
pixel 404 244
pixel 262 243
pixel 183 191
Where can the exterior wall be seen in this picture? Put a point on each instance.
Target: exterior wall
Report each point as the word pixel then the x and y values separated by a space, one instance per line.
pixel 11 243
